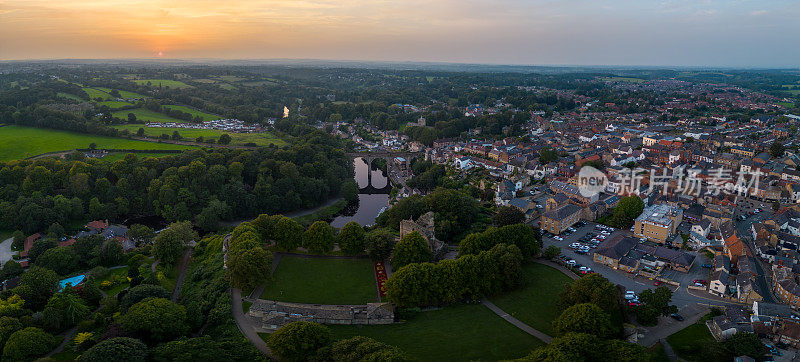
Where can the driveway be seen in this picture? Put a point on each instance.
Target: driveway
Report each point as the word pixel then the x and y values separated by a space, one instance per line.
pixel 6 253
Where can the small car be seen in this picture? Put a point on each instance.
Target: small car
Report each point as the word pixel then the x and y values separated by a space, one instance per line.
pixel 676 317
pixel 656 283
pixel 699 281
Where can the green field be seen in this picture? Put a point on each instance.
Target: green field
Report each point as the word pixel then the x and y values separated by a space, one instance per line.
pixel 70 96
pixel 163 83
pixel 535 303
pixel 146 115
pixel 123 94
pixel 230 78
pixel 464 332
pixel 226 86
pixel 260 139
pixel 323 281
pixel 114 104
pixel 194 112
pixel 96 93
pixel 21 142
pixel 258 83
pixel 689 342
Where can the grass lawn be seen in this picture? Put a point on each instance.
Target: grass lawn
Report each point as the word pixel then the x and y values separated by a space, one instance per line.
pixel 194 112
pixel 535 303
pixel 246 306
pixel 123 94
pixel 689 342
pixel 226 86
pixel 96 93
pixel 230 78
pixel 658 354
pixel 70 96
pixel 114 104
pixel 18 142
pixel 260 139
pixel 167 277
pixel 146 115
pixel 163 83
pixel 119 287
pixel 322 281
pixel 464 332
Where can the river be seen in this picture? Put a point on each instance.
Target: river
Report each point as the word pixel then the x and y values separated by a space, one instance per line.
pixel 369 205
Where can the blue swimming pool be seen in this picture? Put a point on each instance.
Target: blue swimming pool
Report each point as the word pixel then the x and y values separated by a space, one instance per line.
pixel 73 281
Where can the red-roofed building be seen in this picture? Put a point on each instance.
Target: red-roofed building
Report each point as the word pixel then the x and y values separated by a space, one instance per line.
pixel 66 242
pixel 97 225
pixel 29 244
pixel 734 248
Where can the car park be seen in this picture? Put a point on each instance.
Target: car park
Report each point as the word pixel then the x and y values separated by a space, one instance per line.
pixel 676 317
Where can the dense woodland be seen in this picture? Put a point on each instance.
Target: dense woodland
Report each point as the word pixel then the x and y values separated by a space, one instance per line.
pixel 204 186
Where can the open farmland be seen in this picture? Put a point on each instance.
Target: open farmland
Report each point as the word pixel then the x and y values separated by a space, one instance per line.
pixel 194 112
pixel 146 115
pixel 18 142
pixel 163 83
pixel 260 139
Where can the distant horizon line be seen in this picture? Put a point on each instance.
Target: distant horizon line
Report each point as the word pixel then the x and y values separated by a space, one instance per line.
pixel 393 62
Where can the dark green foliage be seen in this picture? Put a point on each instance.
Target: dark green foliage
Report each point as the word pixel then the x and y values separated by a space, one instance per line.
pixel 319 238
pixel 412 248
pixel 37 286
pixel 655 303
pixel 583 318
pixel 468 277
pixel 120 349
pixel 288 234
pixel 508 215
pixel 551 252
pixel 11 269
pixel 350 191
pixel 28 343
pixel 585 347
pixel 362 348
pixel 525 237
pixel 299 341
pixel 627 210
pixel 351 238
pixel 454 212
pixel 155 319
pixel 141 292
pixel 379 244
pixel 63 260
pixel 169 243
pixel 65 309
pixel 592 288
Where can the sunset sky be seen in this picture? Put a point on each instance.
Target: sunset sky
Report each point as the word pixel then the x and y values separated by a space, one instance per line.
pixel 577 32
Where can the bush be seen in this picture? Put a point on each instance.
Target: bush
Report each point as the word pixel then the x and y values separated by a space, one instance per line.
pixel 27 343
pixel 116 349
pixel 299 341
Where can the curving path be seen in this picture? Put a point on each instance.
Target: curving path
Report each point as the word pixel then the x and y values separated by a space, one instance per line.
pixel 516 322
pixel 244 324
pixel 187 254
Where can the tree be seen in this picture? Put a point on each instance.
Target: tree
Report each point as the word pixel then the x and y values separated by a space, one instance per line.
pixel 8 325
pixel 37 286
pixel 141 234
pixel 62 260
pixel 121 349
pixel 583 318
pixel 379 244
pixel 360 348
pixel 350 191
pixel 12 306
pixel 111 253
pixel 11 269
pixel 168 245
pixel 351 238
pixel 224 139
pixel 40 246
pixel 745 344
pixel 508 215
pixel 55 231
pixel 19 240
pixel 319 238
pixel 140 293
pixel 628 209
pixel 299 341
pixel 412 248
pixel 65 309
pixel 28 343
pixel 288 234
pixel 777 149
pixel 593 288
pixel 551 252
pixel 250 267
pixel 659 299
pixel 156 319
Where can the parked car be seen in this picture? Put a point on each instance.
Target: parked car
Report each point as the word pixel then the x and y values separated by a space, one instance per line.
pixel 634 304
pixel 699 281
pixel 571 262
pixel 656 283
pixel 630 295
pixel 676 317
pixel 706 265
pixel 558 238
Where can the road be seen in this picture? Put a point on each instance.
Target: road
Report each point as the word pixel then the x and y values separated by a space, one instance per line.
pixel 680 297
pixel 244 325
pixel 746 235
pixel 6 253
